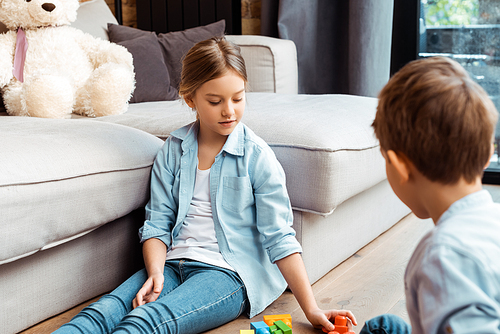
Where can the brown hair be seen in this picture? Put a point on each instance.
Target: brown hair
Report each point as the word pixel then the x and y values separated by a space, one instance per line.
pixel 207 60
pixel 436 115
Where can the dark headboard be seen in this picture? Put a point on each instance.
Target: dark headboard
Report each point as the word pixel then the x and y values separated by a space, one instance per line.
pixel 174 15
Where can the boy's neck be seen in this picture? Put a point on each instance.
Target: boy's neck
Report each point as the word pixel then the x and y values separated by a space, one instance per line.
pixel 437 197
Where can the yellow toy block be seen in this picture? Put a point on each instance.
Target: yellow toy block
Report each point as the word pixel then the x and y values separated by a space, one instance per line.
pixel 247 331
pixel 271 319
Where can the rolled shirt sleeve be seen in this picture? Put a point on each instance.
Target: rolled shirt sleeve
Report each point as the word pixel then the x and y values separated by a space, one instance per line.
pixel 162 206
pixel 274 214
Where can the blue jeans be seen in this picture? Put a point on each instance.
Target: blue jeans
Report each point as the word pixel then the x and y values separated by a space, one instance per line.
pixel 196 297
pixel 386 324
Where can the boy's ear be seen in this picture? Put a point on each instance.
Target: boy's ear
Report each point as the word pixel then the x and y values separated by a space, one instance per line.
pixel 401 164
pixel 492 150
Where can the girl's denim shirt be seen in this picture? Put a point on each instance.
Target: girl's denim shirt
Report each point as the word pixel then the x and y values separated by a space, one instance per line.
pixel 251 210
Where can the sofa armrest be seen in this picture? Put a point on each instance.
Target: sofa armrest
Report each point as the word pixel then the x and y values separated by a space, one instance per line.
pixel 271 63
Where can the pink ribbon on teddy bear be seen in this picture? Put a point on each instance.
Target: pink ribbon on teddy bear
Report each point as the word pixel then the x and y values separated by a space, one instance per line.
pixel 20 55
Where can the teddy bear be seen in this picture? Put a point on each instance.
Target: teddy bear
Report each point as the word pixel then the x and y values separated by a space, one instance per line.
pixel 49 69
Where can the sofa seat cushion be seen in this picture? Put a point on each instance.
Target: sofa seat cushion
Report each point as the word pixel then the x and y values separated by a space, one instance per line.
pixel 325 143
pixel 158 118
pixel 64 178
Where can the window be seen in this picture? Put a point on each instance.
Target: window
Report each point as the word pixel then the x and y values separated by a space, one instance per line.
pixel 465 30
pixel 469 32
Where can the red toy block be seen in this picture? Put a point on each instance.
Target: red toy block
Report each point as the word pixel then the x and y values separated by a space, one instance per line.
pixel 340 326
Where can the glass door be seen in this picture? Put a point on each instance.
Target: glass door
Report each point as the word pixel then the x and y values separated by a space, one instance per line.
pixel 469 32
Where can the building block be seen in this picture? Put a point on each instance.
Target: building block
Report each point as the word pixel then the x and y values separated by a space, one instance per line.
pixel 340 326
pixel 247 331
pixel 263 331
pixel 283 327
pixel 286 318
pixel 260 327
pixel 275 330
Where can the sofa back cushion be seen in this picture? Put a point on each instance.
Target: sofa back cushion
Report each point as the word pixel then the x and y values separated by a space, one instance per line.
pixel 93 18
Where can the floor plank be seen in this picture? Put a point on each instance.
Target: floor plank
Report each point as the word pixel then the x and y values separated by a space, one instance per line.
pixel 494 191
pixel 400 309
pixel 50 325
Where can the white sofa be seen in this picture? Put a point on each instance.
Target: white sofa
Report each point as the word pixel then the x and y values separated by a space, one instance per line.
pixel 72 191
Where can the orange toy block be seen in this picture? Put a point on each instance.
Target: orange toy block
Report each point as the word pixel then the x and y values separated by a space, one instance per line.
pixel 340 326
pixel 271 319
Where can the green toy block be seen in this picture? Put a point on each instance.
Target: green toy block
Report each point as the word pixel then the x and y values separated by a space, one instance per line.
pixel 275 330
pixel 283 327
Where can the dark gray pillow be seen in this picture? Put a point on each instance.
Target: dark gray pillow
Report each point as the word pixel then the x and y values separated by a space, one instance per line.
pixel 174 45
pixel 118 33
pixel 151 74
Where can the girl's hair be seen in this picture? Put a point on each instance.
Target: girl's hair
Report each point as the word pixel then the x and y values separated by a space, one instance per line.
pixel 207 60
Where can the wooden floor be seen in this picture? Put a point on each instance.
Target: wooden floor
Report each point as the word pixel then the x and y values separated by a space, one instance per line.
pixel 369 283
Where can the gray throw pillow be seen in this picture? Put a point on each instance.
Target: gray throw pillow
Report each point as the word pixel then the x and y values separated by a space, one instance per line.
pixel 174 45
pixel 151 74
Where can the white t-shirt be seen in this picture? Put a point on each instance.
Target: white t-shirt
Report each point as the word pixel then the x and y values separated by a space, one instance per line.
pixel 196 239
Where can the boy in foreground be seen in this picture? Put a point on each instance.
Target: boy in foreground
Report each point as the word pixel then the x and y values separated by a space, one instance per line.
pixel 436 126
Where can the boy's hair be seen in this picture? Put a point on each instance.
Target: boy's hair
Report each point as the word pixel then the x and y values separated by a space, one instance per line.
pixel 439 118
pixel 207 60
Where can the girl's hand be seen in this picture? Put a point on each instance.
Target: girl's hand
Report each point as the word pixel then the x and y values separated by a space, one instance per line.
pixel 149 291
pixel 293 270
pixel 324 319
